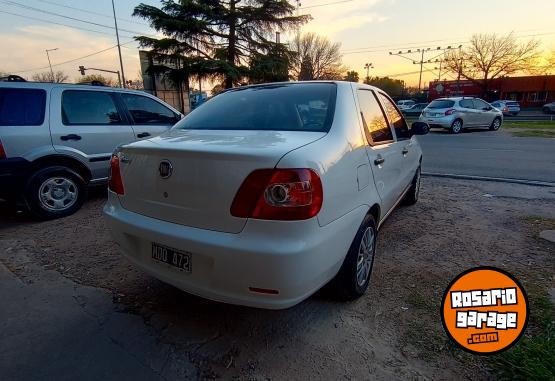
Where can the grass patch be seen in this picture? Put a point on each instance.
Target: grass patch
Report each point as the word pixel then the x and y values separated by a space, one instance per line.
pixel 530 125
pixel 535 134
pixel 538 129
pixel 533 357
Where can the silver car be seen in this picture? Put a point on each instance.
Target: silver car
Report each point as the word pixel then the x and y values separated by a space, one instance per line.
pixel 508 108
pixel 458 113
pixel 549 108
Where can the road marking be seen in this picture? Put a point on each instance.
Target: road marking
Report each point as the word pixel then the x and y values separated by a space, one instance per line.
pixel 487 178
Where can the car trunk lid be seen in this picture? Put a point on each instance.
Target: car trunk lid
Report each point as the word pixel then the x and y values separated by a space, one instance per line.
pixel 207 169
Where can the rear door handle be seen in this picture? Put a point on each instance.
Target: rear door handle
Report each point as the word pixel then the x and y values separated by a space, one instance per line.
pixel 379 160
pixel 143 135
pixel 70 137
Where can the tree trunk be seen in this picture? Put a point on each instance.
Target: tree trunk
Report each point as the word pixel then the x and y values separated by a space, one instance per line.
pixel 231 44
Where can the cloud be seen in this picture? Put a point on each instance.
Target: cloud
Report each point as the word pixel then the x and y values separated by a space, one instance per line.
pixel 26 46
pixel 333 19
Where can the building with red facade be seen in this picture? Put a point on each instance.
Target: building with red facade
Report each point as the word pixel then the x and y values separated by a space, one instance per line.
pixel 529 91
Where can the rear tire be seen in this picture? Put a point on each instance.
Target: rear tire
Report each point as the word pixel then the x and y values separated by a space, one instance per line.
pixel 354 276
pixel 411 197
pixel 55 192
pixel 456 126
pixel 495 125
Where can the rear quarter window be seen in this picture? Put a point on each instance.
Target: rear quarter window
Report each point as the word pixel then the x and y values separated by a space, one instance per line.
pixel 22 107
pixel 441 103
pixel 279 107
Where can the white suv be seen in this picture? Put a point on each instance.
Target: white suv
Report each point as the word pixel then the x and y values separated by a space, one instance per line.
pixel 55 139
pixel 267 192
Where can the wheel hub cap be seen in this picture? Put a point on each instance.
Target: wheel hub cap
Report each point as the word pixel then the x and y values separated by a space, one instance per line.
pixel 57 194
pixel 365 256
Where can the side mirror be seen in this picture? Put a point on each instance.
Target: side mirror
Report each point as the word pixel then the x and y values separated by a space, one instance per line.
pixel 419 128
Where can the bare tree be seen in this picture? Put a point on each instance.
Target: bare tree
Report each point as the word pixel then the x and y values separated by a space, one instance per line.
pixel 106 81
pixel 59 77
pixel 491 56
pixel 316 57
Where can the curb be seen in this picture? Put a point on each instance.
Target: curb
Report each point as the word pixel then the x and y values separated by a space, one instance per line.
pixel 493 179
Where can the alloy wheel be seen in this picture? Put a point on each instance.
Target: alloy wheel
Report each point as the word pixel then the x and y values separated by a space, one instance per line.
pixel 365 256
pixel 58 194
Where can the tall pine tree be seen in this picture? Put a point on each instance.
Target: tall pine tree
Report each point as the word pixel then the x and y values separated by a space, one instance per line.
pixel 216 37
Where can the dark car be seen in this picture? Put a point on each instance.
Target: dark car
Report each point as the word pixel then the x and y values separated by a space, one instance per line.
pixel 414 110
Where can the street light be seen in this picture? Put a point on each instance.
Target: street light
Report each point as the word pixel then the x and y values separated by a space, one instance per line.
pixel 368 66
pixel 49 64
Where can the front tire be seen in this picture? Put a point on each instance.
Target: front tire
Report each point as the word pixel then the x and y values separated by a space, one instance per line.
pixel 354 276
pixel 55 192
pixel 495 125
pixel 456 126
pixel 411 197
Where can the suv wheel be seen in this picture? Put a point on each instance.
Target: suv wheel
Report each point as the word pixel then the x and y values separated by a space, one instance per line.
pixel 456 126
pixel 412 195
pixel 354 276
pixel 495 124
pixel 55 192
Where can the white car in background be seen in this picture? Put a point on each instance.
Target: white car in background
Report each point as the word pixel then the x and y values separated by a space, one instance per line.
pixel 405 103
pixel 266 193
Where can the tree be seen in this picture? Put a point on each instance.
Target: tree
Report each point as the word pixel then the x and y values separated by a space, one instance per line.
pixel 59 77
pixel 491 56
pixel 394 87
pixel 316 57
pixel 270 67
pixel 351 76
pixel 215 38
pixel 89 78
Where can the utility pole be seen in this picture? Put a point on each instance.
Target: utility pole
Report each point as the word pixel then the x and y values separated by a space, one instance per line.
pixel 460 71
pixel 50 64
pixel 368 66
pixel 422 51
pixel 122 83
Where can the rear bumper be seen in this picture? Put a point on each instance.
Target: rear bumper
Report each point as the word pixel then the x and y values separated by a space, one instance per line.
pixel 13 175
pixel 295 258
pixel 438 122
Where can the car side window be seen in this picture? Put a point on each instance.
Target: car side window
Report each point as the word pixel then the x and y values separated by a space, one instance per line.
pixel 84 107
pixel 480 104
pixel 376 128
pixel 145 110
pixel 22 107
pixel 466 103
pixel 395 118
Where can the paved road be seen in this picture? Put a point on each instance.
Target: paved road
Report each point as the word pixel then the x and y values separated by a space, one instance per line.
pixel 487 153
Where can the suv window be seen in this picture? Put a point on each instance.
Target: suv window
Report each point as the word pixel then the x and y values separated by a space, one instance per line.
pixel 480 104
pixel 22 107
pixel 145 110
pixel 89 107
pixel 376 127
pixel 395 118
pixel 466 103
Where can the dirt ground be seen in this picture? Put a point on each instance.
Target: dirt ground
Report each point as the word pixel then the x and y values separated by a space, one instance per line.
pixel 394 331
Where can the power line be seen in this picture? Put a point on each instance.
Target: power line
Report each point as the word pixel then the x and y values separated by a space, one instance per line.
pixel 89 11
pixel 58 23
pixel 8 2
pixel 326 4
pixel 73 59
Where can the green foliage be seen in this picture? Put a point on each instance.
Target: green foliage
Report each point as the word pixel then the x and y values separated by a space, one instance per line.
pixel 271 67
pixel 351 76
pixel 394 87
pixel 215 38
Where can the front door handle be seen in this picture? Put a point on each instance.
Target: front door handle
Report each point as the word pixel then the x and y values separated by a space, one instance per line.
pixel 379 160
pixel 405 151
pixel 143 135
pixel 70 137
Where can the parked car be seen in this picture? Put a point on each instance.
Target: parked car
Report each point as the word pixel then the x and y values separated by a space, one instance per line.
pixel 56 139
pixel 549 108
pixel 405 103
pixel 414 110
pixel 263 207
pixel 507 107
pixel 458 113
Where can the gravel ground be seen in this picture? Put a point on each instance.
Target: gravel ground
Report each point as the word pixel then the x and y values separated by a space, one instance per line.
pixel 394 331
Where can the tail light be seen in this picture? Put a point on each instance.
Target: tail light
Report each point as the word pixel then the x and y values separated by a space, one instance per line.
pixel 115 183
pixel 449 112
pixel 2 151
pixel 279 194
pixel 506 109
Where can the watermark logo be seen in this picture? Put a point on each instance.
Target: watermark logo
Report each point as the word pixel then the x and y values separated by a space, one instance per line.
pixel 485 310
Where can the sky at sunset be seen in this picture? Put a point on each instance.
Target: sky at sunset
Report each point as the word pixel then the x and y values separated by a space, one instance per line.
pixel 367 30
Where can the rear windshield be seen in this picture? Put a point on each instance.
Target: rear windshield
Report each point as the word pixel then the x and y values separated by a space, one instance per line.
pixel 279 107
pixel 22 107
pixel 441 103
pixel 512 103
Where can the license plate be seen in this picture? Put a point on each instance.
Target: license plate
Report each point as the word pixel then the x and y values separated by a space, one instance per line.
pixel 175 258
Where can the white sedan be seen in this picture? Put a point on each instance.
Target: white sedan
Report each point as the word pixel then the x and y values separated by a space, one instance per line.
pixel 266 193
